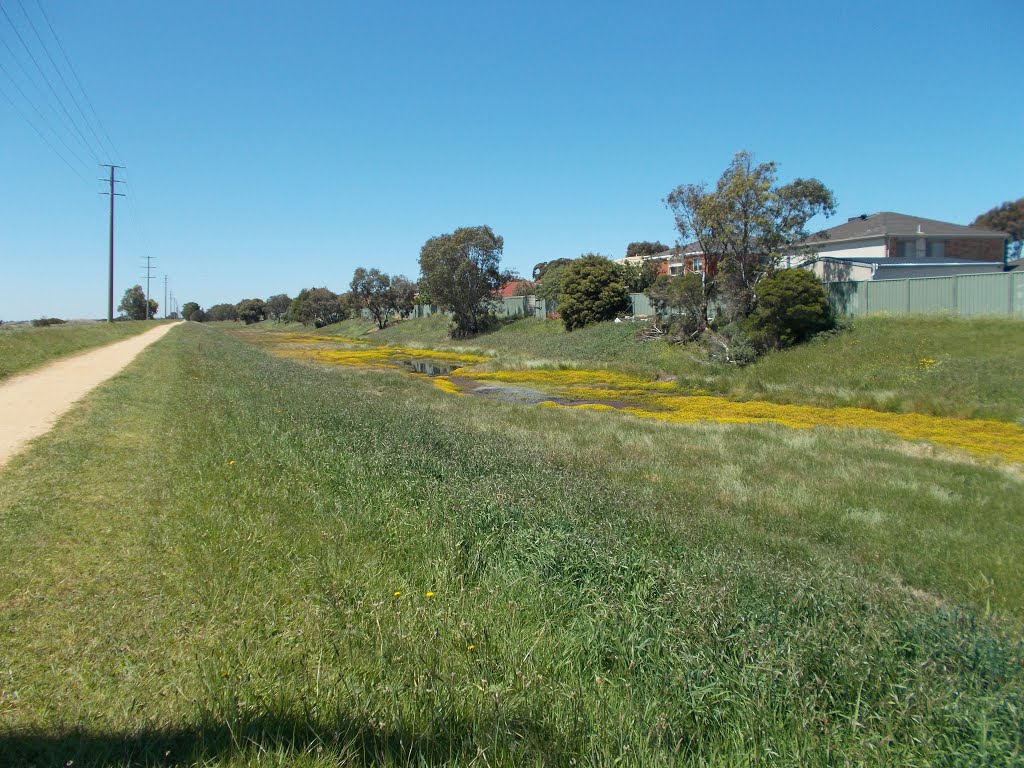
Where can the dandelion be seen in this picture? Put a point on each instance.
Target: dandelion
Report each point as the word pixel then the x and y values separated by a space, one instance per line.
pixel 231 462
pixel 470 647
pixel 397 593
pixel 430 594
pixel 927 362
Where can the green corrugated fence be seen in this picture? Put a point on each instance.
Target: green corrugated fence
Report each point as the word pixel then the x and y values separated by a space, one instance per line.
pixel 965 295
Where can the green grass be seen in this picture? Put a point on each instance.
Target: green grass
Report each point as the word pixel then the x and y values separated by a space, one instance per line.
pixel 653 594
pixel 24 347
pixel 978 368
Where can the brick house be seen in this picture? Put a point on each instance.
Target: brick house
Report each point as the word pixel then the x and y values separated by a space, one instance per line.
pixel 893 245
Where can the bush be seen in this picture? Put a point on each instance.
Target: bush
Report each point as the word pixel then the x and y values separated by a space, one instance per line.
pixel 42 322
pixel 592 291
pixel 686 298
pixel 791 307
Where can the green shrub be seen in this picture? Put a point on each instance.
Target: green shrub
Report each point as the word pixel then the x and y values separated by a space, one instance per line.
pixel 592 290
pixel 42 322
pixel 791 307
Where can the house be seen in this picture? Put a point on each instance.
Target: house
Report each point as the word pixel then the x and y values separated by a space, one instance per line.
pixel 508 290
pixel 878 246
pixel 890 245
pixel 674 261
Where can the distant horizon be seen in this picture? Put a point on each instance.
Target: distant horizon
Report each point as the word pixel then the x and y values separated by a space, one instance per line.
pixel 271 149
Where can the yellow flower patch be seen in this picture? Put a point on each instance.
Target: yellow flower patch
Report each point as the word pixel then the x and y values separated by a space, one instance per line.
pixel 652 400
pixel 446 385
pixel 569 377
pixel 382 357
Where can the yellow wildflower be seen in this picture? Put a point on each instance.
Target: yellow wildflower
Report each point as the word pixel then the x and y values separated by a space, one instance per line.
pixel 430 594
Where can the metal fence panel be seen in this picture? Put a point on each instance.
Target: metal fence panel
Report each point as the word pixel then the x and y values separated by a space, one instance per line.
pixel 641 304
pixel 985 294
pixel 886 296
pixel 513 306
pixel 847 297
pixel 931 294
pixel 1000 294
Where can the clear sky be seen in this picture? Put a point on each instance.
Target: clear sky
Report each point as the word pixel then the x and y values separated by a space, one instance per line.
pixel 272 146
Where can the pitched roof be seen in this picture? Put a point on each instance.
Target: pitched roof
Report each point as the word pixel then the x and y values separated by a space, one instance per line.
pixel 888 223
pixel 509 289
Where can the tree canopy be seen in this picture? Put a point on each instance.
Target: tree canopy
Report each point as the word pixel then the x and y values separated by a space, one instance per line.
pixel 639 277
pixel 592 290
pixel 278 305
pixel 462 271
pixel 549 286
pixel 747 225
pixel 251 311
pixel 221 312
pixel 189 309
pixel 540 269
pixel 318 307
pixel 133 304
pixel 645 248
pixel 1008 218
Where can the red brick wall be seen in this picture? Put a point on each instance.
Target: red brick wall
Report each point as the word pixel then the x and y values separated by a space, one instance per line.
pixel 975 249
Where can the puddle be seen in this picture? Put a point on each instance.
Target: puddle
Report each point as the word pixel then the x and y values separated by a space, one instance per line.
pixel 429 367
pixel 516 393
pixel 660 400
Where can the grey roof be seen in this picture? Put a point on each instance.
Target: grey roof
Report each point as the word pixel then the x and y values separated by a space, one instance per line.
pixel 887 223
pixel 903 261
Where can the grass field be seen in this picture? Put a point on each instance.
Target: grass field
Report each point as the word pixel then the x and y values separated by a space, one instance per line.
pixel 934 365
pixel 24 347
pixel 254 561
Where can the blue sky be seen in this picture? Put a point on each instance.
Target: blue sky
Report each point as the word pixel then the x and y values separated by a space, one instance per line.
pixel 274 146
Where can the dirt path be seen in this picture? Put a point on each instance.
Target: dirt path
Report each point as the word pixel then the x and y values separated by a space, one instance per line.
pixel 31 403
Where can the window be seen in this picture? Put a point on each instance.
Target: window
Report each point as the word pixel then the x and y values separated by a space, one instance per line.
pixel 936 250
pixel 698 264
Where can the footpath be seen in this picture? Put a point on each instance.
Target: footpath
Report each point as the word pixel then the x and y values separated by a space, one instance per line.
pixel 31 403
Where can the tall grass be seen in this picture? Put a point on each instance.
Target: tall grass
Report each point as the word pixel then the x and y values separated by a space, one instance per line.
pixel 225 559
pixel 936 365
pixel 23 347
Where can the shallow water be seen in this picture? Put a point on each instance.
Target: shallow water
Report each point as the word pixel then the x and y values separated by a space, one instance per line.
pixel 428 367
pixel 664 401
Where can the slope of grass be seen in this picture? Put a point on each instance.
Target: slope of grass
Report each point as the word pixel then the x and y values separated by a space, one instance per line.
pixel 229 559
pixel 24 347
pixel 936 365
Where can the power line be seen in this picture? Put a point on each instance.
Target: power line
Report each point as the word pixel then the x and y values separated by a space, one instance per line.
pixel 110 144
pixel 42 136
pixel 42 117
pixel 60 121
pixel 56 69
pixel 49 85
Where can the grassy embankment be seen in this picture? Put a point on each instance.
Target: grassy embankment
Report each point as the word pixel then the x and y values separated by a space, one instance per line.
pixel 259 562
pixel 24 347
pixel 933 365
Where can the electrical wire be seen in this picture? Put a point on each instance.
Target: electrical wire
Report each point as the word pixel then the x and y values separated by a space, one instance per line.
pixel 49 85
pixel 41 116
pixel 42 136
pixel 60 74
pixel 115 155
